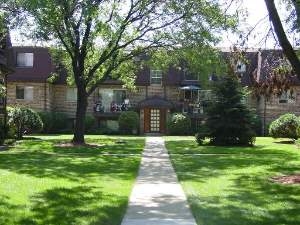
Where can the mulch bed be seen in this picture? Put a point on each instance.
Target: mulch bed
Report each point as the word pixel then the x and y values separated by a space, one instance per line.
pixel 288 179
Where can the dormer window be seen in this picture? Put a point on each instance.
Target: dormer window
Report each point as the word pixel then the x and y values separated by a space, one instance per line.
pixel 156 77
pixel 24 59
pixel 240 67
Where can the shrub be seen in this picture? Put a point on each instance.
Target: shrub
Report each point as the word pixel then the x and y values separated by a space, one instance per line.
pixel 90 123
pixel 229 121
pixel 46 117
pixel 202 133
pixel 285 126
pixel 55 122
pixel 128 122
pixel 61 122
pixel 2 136
pixel 24 120
pixel 179 124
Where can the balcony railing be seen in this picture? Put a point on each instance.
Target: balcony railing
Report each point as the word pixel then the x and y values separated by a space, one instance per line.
pixel 111 108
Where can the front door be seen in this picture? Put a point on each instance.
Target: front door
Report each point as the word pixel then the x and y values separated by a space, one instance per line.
pixel 154 120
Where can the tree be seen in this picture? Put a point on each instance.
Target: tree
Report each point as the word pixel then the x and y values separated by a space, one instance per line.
pixel 288 49
pixel 101 38
pixel 229 120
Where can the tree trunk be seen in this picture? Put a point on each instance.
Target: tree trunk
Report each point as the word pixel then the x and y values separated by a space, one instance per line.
pixel 282 38
pixel 82 102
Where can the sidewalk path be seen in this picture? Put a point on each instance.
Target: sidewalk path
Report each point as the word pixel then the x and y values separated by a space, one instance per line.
pixel 157 198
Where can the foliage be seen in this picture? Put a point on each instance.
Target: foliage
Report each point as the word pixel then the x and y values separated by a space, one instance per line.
pixel 55 122
pixel 2 136
pixel 24 120
pixel 285 126
pixel 179 124
pixel 202 133
pixel 229 120
pixel 90 122
pixel 128 122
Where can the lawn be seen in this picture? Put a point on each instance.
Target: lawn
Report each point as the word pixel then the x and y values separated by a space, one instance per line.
pixel 42 183
pixel 231 185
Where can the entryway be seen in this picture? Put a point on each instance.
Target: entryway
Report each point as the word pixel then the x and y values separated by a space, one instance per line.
pixel 154 113
pixel 154 120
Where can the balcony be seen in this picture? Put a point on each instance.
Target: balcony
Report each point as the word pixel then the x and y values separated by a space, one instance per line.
pixel 195 103
pixel 110 110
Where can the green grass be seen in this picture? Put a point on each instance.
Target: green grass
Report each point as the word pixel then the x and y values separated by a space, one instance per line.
pixel 231 185
pixel 41 183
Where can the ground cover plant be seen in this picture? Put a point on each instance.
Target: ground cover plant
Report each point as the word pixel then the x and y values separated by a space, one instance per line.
pixel 43 183
pixel 235 185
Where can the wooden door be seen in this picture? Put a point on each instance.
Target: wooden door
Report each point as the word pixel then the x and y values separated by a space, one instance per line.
pixel 154 120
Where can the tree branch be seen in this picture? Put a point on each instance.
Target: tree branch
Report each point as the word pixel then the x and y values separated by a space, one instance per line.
pixel 282 38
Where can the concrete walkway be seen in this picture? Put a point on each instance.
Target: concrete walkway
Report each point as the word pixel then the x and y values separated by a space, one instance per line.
pixel 157 197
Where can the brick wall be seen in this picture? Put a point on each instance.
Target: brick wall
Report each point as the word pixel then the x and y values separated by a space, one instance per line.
pixel 156 90
pixel 173 93
pixel 137 95
pixel 42 96
pixel 274 109
pixel 61 104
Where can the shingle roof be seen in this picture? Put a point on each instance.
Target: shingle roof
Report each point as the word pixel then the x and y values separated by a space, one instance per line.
pixel 42 65
pixel 157 102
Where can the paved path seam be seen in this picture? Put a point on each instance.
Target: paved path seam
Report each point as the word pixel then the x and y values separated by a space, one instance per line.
pixel 157 197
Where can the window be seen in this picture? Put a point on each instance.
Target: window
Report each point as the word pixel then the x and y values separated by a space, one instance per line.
pixel 240 67
pixel 25 93
pixel 156 77
pixel 190 76
pixel 25 59
pixel 119 96
pixel 286 97
pixel 71 94
pixel 111 100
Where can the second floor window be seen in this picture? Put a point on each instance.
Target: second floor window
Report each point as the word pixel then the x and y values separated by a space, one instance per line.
pixel 71 94
pixel 24 93
pixel 287 97
pixel 156 77
pixel 25 60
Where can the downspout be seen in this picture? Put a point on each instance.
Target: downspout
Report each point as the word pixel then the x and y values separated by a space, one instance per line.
pixel 45 96
pixel 5 107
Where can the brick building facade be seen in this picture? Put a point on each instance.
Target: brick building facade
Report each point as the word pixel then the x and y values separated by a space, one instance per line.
pixel 157 93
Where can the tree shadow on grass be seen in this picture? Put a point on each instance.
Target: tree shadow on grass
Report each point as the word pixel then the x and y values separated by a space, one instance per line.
pixel 65 206
pixel 248 197
pixel 43 159
pixel 8 211
pixel 111 147
pixel 69 167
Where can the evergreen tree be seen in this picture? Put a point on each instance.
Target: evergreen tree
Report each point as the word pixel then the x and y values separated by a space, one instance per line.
pixel 229 121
